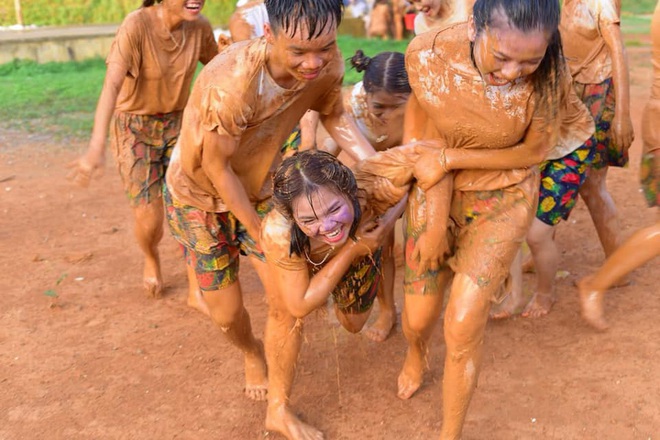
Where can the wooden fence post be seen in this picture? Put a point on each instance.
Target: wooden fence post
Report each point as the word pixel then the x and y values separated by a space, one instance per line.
pixel 19 12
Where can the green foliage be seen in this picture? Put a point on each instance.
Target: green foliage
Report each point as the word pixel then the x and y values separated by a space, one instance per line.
pixel 75 12
pixel 61 97
pixel 637 6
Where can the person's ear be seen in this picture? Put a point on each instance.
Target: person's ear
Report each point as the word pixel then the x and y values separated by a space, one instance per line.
pixel 472 29
pixel 268 33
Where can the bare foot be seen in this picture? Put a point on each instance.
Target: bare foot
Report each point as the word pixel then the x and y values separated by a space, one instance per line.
pixel 410 378
pixel 152 279
pixel 256 374
pixel 382 328
pixel 153 287
pixel 508 307
pixel 196 301
pixel 539 305
pixel 591 302
pixel 281 419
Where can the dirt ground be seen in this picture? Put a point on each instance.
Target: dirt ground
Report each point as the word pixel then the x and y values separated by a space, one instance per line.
pixel 85 355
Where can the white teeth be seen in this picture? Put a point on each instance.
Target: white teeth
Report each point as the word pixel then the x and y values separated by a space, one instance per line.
pixel 334 233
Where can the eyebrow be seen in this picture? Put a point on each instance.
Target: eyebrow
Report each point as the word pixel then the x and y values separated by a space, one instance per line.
pixel 499 54
pixel 302 49
pixel 331 208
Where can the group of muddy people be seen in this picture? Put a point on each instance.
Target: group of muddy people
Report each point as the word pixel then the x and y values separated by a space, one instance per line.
pixel 481 138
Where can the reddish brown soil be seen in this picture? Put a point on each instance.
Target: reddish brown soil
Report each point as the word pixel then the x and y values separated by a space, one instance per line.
pixel 102 361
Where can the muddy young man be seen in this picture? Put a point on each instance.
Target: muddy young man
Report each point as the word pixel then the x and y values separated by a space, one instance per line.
pixel 242 108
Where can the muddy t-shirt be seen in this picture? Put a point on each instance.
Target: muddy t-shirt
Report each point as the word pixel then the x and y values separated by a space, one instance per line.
pixel 160 68
pixel 576 125
pixel 586 53
pixel 236 96
pixel 467 112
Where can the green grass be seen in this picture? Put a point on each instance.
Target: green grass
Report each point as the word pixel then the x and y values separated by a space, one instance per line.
pixel 637 6
pixel 635 24
pixel 60 98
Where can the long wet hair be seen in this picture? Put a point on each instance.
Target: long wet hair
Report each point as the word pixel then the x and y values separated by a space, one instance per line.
pixel 147 3
pixel 315 15
pixel 531 15
pixel 304 174
pixel 386 71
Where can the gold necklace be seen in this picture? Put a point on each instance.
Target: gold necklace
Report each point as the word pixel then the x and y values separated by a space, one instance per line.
pixel 325 258
pixel 177 45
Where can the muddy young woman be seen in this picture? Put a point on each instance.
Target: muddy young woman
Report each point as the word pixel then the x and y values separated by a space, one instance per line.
pixel 318 242
pixel 489 89
pixel 150 68
pixel 377 104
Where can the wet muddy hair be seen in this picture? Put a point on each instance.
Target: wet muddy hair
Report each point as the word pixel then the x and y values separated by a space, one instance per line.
pixel 315 15
pixel 304 174
pixel 147 3
pixel 530 15
pixel 386 71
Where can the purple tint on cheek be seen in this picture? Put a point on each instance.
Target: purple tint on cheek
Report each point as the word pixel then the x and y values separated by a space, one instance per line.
pixel 344 215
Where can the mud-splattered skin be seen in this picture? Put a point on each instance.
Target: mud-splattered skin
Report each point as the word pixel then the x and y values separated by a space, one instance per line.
pixel 238 97
pixel 479 108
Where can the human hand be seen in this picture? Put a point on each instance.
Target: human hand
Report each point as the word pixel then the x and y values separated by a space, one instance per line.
pixel 373 230
pixel 83 168
pixel 430 168
pixel 622 130
pixel 385 194
pixel 430 251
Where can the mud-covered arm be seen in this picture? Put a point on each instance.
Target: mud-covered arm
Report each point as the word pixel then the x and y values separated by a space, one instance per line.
pixel 531 151
pixel 303 294
pixel 622 128
pixel 431 248
pixel 94 158
pixel 216 163
pixel 308 127
pixel 342 128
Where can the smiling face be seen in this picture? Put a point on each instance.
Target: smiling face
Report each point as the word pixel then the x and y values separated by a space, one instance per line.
pixel 387 108
pixel 186 10
pixel 298 57
pixel 430 8
pixel 324 215
pixel 503 53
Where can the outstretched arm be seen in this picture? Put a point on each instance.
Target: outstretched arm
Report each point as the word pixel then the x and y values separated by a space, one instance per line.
pixel 94 158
